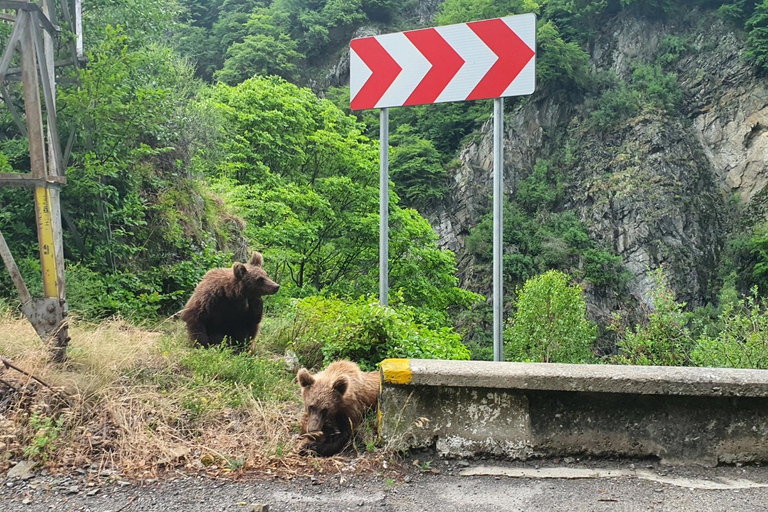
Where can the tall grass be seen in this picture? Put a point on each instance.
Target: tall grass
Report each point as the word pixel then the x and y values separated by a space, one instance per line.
pixel 143 400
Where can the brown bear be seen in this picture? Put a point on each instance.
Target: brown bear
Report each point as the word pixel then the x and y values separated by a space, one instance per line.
pixel 335 401
pixel 227 302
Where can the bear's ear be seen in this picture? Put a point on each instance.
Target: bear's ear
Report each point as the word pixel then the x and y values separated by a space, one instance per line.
pixel 239 270
pixel 305 379
pixel 257 260
pixel 341 384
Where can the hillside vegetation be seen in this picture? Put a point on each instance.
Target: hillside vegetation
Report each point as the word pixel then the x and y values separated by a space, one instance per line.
pixel 196 140
pixel 634 215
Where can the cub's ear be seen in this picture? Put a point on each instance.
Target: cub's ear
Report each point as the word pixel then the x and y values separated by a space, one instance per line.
pixel 341 384
pixel 239 270
pixel 305 378
pixel 257 260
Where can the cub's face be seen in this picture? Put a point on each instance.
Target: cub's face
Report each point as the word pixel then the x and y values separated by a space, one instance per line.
pixel 322 399
pixel 255 280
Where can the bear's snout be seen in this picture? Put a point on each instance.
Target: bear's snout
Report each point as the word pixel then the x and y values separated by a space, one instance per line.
pixel 271 288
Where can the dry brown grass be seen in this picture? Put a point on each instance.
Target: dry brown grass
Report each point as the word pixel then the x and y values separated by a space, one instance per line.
pixel 125 402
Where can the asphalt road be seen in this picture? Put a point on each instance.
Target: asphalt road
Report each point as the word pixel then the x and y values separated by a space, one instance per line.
pixel 439 486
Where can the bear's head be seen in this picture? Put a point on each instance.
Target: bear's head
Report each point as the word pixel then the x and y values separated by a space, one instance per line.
pixel 323 398
pixel 254 279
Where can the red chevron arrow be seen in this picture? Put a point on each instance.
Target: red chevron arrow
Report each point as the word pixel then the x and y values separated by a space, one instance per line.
pixel 445 64
pixel 513 55
pixel 383 68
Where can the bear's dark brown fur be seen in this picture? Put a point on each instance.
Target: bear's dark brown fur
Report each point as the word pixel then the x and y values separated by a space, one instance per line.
pixel 228 303
pixel 335 401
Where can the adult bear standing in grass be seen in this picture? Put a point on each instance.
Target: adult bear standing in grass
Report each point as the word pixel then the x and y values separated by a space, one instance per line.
pixel 228 303
pixel 335 401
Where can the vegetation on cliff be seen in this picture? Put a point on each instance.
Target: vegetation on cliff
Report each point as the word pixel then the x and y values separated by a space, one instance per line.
pixel 194 141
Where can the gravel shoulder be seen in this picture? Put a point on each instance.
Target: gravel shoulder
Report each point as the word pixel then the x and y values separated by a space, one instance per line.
pixel 420 483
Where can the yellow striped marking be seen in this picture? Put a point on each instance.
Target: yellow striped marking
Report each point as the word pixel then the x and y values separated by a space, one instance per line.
pixel 396 371
pixel 45 236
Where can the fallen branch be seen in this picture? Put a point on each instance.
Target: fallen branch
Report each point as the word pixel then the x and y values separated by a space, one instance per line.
pixel 8 384
pixel 8 364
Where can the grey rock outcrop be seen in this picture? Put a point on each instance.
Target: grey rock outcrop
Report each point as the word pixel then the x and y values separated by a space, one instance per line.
pixel 658 189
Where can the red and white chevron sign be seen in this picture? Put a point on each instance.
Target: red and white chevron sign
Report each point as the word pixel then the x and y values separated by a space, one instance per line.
pixel 469 61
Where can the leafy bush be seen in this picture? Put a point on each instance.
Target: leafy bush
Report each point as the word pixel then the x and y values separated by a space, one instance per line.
pixel 604 268
pixel 665 339
pixel 560 64
pixel 46 431
pixel 327 329
pixel 615 105
pixel 742 340
pixel 416 169
pixel 758 249
pixel 550 324
pixel 649 89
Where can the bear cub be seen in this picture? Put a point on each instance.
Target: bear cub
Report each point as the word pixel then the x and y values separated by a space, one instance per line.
pixel 335 401
pixel 227 302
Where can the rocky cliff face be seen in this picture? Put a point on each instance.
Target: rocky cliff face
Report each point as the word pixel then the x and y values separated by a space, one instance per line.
pixel 661 189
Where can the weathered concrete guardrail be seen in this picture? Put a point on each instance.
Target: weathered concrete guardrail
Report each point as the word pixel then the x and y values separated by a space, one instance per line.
pixel 524 410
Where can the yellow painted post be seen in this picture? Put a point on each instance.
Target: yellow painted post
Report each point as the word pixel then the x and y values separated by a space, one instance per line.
pixel 43 211
pixel 54 330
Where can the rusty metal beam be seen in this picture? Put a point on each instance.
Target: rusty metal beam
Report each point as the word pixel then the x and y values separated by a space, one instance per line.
pixel 16 33
pixel 31 8
pixel 27 180
pixel 10 264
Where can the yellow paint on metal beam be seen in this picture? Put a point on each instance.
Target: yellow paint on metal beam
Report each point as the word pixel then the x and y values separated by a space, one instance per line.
pixel 45 237
pixel 396 371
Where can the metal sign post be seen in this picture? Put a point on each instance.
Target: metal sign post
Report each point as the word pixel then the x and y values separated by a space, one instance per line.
pixel 384 208
pixel 498 228
pixel 467 61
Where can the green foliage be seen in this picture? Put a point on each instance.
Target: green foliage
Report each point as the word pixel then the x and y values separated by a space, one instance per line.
pixel 536 192
pixel 603 268
pixel 537 238
pixel 672 47
pixel 650 89
pixel 462 11
pixel 650 8
pixel 550 323
pixel 263 51
pixel 46 431
pixel 416 169
pixel 446 125
pixel 578 19
pixel 615 105
pixel 742 337
pixel 560 65
pixel 327 329
pixel 665 339
pixel 737 10
pixel 306 179
pixel 143 21
pixel 221 368
pixel 658 90
pixel 758 249
pixel 757 36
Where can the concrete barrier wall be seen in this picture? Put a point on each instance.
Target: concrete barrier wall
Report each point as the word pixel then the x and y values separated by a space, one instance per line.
pixel 524 410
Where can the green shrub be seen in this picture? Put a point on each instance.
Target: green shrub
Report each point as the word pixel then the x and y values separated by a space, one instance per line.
pixel 742 340
pixel 665 339
pixel 47 430
pixel 550 324
pixel 603 268
pixel 757 36
pixel 616 104
pixel 327 329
